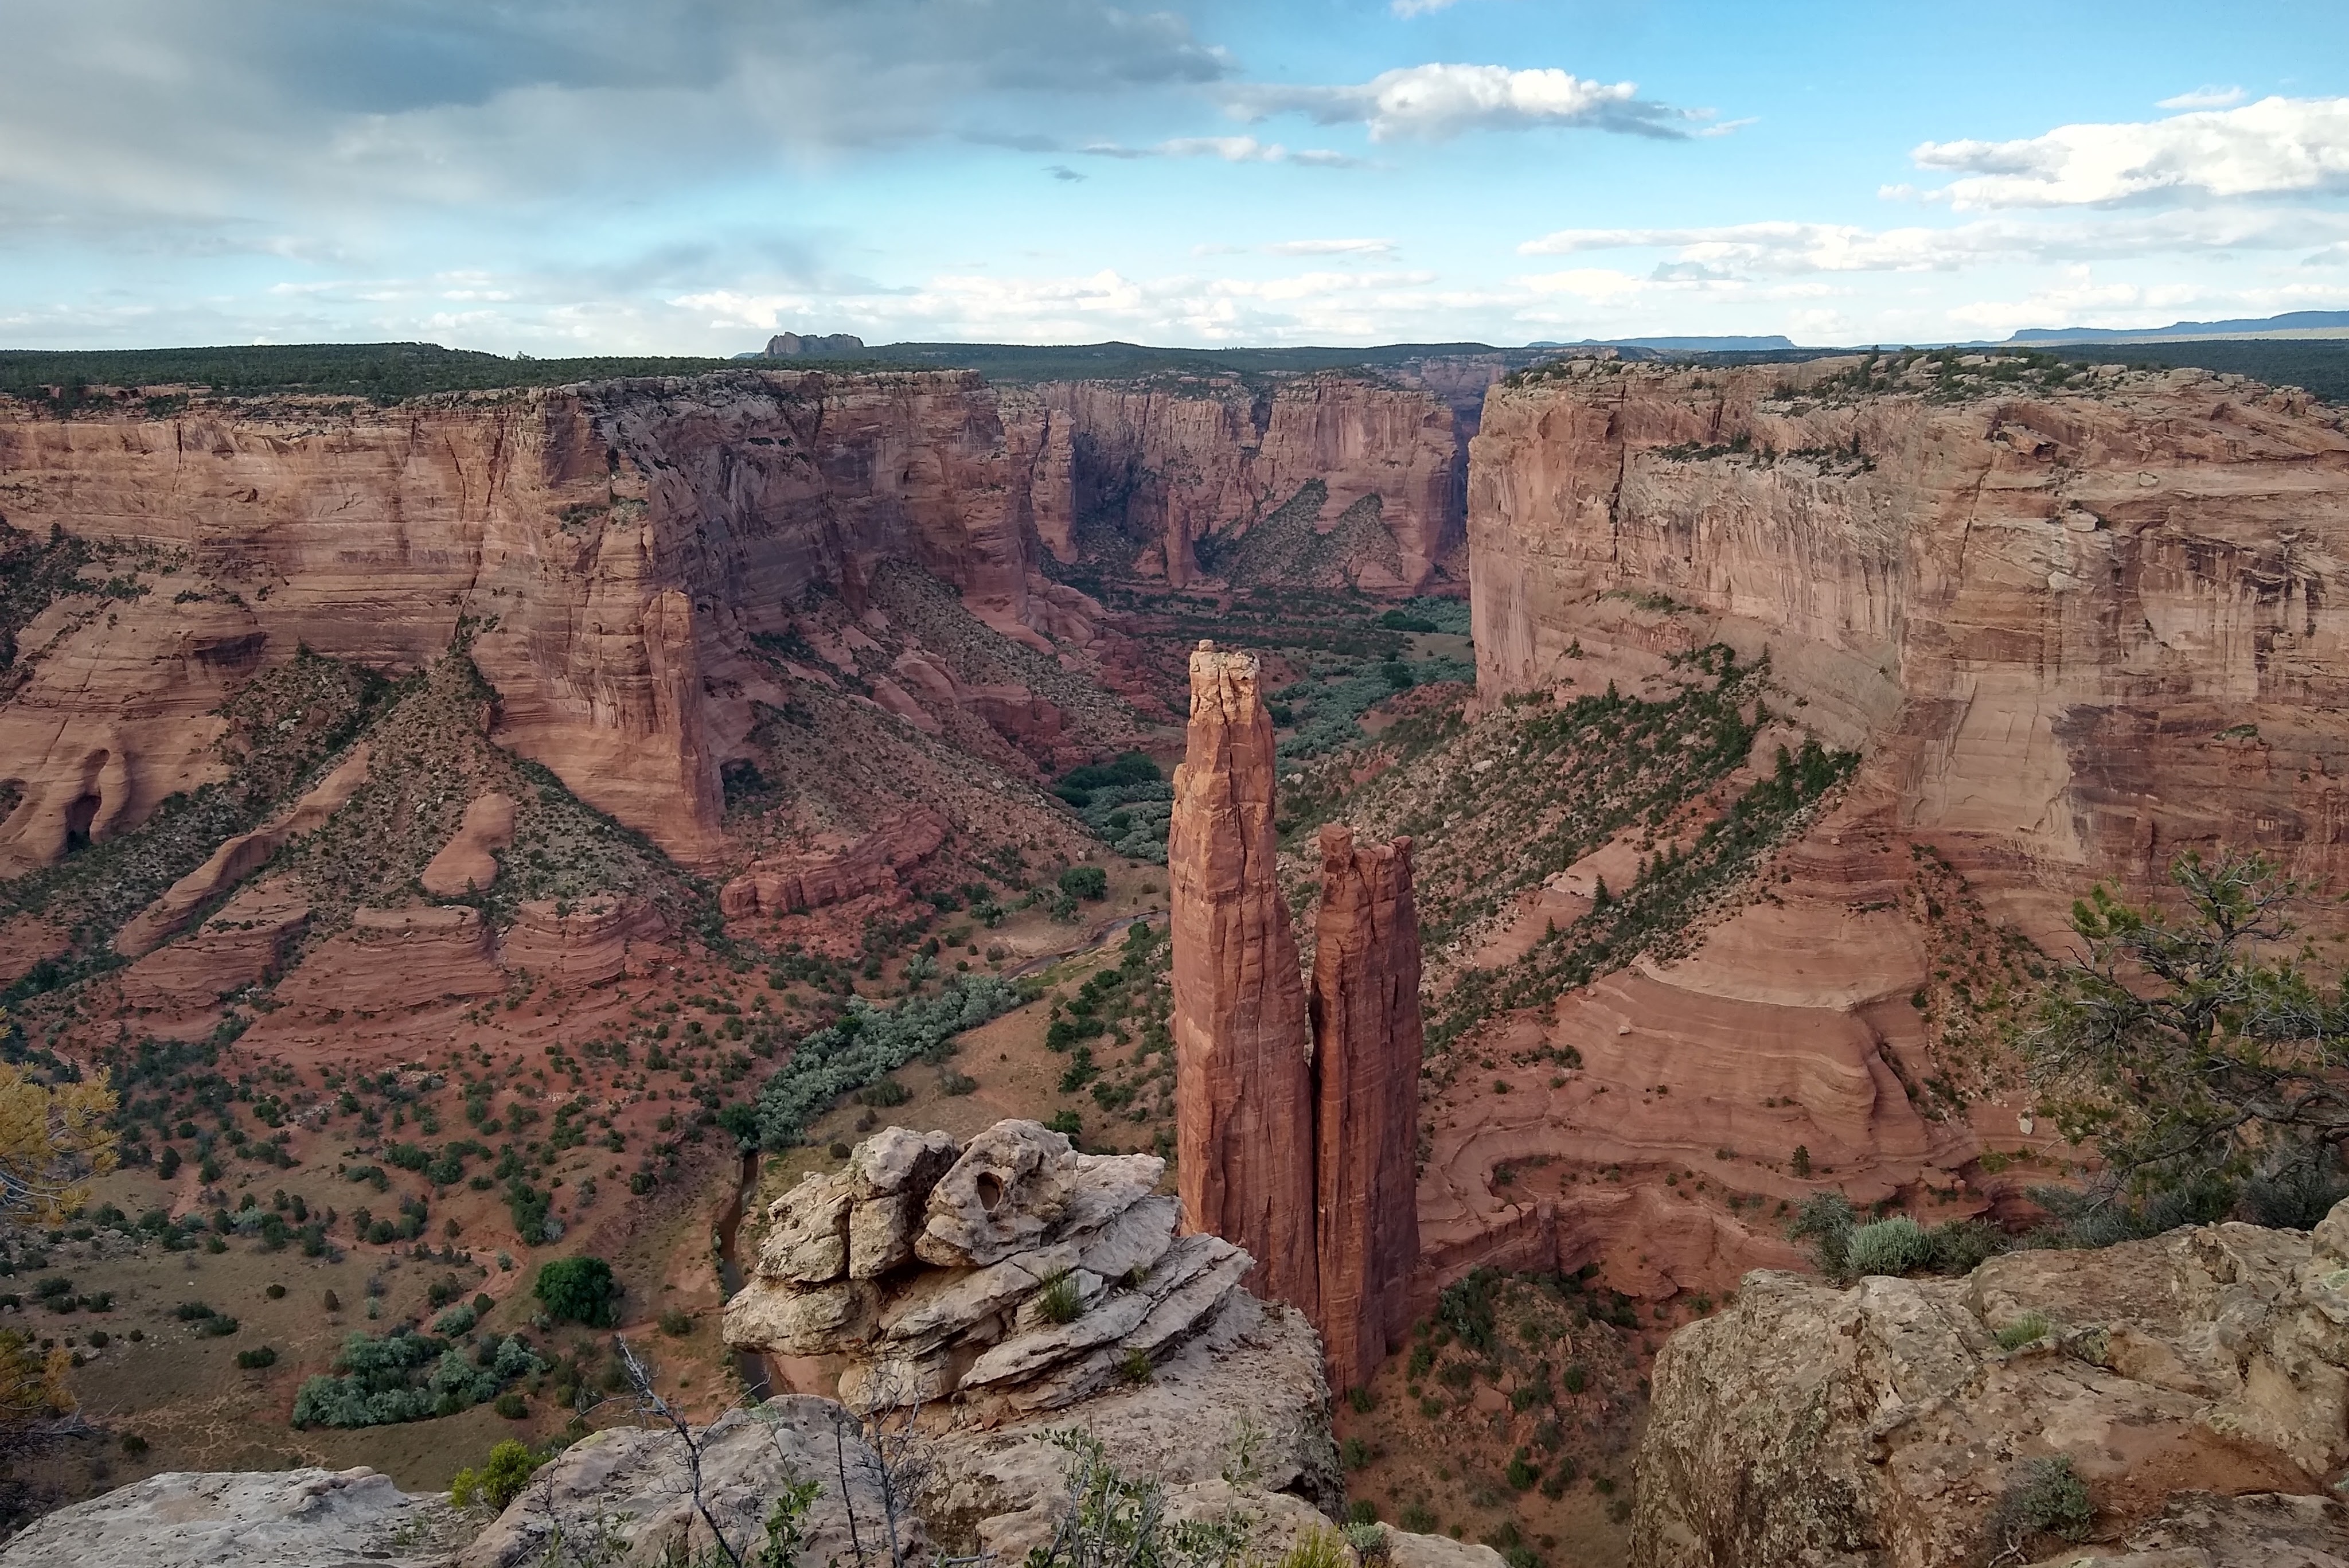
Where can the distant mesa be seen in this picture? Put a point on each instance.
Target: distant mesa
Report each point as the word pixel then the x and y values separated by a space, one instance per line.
pixel 2291 324
pixel 828 345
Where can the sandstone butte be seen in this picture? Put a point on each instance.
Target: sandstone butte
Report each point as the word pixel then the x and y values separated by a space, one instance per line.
pixel 1297 1127
pixel 1367 1046
pixel 2072 632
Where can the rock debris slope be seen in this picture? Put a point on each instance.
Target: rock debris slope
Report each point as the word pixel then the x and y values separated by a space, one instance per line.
pixel 1889 1424
pixel 1297 1128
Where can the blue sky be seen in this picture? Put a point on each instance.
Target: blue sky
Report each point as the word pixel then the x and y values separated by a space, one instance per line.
pixel 571 176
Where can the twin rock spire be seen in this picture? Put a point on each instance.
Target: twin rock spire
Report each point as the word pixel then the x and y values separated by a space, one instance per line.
pixel 1296 1122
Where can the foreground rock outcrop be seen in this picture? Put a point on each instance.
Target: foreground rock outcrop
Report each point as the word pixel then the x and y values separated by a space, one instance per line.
pixel 632 1485
pixel 264 1519
pixel 1243 1087
pixel 1892 1424
pixel 1012 1275
pixel 1367 1044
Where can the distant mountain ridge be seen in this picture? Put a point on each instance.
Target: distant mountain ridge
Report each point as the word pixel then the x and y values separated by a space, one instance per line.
pixel 2291 324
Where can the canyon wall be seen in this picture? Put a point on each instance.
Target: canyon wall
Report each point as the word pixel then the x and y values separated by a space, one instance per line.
pixel 2074 622
pixel 1174 475
pixel 617 552
pixel 613 549
pixel 2075 627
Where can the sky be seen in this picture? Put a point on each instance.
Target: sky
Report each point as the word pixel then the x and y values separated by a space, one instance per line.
pixel 689 176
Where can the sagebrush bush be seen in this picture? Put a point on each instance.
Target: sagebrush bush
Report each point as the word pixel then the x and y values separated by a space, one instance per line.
pixel 1894 1246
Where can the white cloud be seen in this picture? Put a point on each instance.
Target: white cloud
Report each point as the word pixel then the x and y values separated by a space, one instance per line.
pixel 2275 146
pixel 1435 102
pixel 2205 98
pixel 1231 149
pixel 1796 247
pixel 1331 247
pixel 1418 7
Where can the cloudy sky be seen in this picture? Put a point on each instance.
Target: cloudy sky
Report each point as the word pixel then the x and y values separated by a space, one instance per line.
pixel 687 176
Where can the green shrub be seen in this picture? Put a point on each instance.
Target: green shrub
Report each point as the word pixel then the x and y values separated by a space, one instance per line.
pixel 886 1092
pixel 579 1290
pixel 2028 1329
pixel 1353 1454
pixel 256 1358
pixel 408 1377
pixel 1825 1220
pixel 676 1324
pixel 2047 1498
pixel 1894 1246
pixel 1960 1246
pixel 511 1406
pixel 1060 1300
pixel 1087 882
pixel 499 1480
pixel 1319 1547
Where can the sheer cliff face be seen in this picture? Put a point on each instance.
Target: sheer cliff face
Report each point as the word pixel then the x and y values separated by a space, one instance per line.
pixel 1367 1045
pixel 2076 629
pixel 1142 470
pixel 1244 1092
pixel 2073 629
pixel 613 547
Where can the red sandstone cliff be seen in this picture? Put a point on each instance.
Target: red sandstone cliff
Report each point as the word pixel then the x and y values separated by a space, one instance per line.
pixel 1367 1045
pixel 1244 1092
pixel 2073 626
pixel 1168 474
pixel 616 549
pixel 2048 615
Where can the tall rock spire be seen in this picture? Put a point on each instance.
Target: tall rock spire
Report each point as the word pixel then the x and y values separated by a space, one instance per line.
pixel 1243 1086
pixel 1366 1042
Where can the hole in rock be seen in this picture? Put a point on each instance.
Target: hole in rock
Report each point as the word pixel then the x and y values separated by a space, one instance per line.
pixel 990 1190
pixel 78 816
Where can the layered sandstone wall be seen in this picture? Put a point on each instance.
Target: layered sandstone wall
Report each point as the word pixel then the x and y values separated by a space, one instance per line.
pixel 2074 628
pixel 1164 467
pixel 614 547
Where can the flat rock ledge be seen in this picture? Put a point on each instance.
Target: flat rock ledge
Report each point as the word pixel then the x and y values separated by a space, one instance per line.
pixel 238 1519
